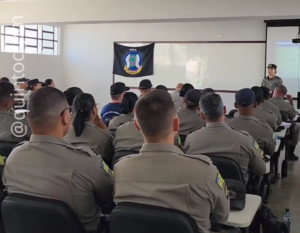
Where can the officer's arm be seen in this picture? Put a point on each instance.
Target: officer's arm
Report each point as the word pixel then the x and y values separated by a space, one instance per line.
pixel 270 145
pixel 218 195
pixel 109 151
pixel 102 180
pixel 280 82
pixel 292 114
pixel 256 164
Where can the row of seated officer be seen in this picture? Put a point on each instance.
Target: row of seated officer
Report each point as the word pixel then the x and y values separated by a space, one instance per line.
pixel 49 167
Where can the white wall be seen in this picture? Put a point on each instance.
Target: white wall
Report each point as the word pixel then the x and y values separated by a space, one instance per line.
pixel 41 67
pixel 88 48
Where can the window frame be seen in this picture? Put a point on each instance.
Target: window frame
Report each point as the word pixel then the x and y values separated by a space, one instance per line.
pixel 40 39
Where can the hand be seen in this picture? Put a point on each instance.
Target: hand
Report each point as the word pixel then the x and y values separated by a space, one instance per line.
pixel 290 98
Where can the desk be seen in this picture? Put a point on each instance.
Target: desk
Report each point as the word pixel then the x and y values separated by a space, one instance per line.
pixel 243 218
pixel 278 141
pixel 281 134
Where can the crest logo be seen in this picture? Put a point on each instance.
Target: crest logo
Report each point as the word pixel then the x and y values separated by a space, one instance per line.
pixel 133 62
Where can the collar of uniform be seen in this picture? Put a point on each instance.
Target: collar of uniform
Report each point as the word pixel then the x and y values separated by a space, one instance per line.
pixel 275 77
pixel 46 138
pixel 278 98
pixel 246 117
pixel 160 147
pixel 186 110
pixel 258 107
pixel 216 124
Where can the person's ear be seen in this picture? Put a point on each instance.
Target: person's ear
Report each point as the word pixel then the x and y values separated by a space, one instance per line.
pixel 136 124
pixel 65 117
pixel 235 105
pixel 95 111
pixel 176 124
pixel 202 116
pixel 225 110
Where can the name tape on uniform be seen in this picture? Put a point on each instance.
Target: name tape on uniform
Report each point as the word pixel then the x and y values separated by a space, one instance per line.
pixel 105 167
pixel 220 181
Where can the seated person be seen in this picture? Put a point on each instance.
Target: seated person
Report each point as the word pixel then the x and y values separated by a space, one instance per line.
pixel 162 88
pixel 287 109
pixel 70 94
pixel 217 138
pixel 127 106
pixel 261 114
pixel 88 129
pixel 188 115
pixel 5 79
pixel 267 105
pixel 263 135
pixel 184 89
pixel 49 83
pixel 145 86
pixel 13 127
pixel 49 167
pixel 112 109
pixel 156 178
pixel 33 85
pixel 175 94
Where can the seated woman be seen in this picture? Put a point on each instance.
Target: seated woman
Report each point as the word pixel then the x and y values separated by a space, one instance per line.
pixel 88 129
pixel 127 106
pixel 33 85
pixel 49 83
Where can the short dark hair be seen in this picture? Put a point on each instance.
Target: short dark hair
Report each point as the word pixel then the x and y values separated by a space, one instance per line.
pixel 155 112
pixel 208 91
pixel 71 93
pixel 211 106
pixel 45 105
pixel 128 102
pixel 282 89
pixel 4 79
pixel 162 87
pixel 6 92
pixel 185 88
pixel 266 92
pixel 83 106
pixel 115 97
pixel 259 95
pixel 47 82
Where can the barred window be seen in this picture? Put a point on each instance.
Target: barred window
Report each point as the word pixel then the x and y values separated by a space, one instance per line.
pixel 33 39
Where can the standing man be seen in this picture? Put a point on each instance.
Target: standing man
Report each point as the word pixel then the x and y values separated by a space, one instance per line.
pixel 145 86
pixel 113 109
pixel 201 192
pixel 272 81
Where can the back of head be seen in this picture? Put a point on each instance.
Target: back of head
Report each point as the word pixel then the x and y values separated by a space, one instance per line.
pixel 48 82
pixel 266 92
pixel 83 104
pixel 282 90
pixel 162 88
pixel 6 95
pixel 128 102
pixel 155 113
pixel 208 91
pixel 71 93
pixel 192 98
pixel 185 88
pixel 145 84
pixel 212 107
pixel 4 79
pixel 244 99
pixel 259 95
pixel 48 111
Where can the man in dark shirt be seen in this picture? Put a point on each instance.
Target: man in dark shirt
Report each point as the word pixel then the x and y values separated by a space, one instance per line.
pixel 112 109
pixel 272 81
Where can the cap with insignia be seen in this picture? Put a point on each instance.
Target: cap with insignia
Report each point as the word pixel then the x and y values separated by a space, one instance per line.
pixel 244 97
pixel 272 66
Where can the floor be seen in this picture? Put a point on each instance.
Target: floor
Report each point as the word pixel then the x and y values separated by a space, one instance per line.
pixel 285 194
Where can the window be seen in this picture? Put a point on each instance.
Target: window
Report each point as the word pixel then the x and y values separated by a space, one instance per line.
pixel 34 39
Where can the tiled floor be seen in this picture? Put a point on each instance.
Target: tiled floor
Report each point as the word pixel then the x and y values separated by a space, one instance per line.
pixel 286 194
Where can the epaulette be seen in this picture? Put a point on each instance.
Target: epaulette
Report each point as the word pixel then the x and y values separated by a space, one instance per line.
pixel 242 132
pixel 261 124
pixel 84 149
pixel 202 158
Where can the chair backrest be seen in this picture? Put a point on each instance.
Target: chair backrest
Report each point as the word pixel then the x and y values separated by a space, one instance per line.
pixel 122 153
pixel 28 214
pixel 284 115
pixel 231 113
pixel 228 168
pixel 6 148
pixel 137 218
pixel 182 138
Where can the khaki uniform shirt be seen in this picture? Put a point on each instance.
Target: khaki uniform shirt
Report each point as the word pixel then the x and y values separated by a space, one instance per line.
pixel 262 134
pixel 178 103
pixel 99 140
pixel 284 106
pixel 13 128
pixel 49 167
pixel 220 139
pixel 271 83
pixel 127 137
pixel 267 105
pixel 117 121
pixel 175 96
pixel 27 95
pixel 164 176
pixel 189 121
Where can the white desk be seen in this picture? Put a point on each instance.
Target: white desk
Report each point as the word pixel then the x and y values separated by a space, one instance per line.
pixel 278 141
pixel 281 134
pixel 295 118
pixel 243 218
pixel 268 165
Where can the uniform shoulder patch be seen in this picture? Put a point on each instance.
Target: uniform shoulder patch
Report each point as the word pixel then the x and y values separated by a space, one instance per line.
pixel 105 167
pixel 220 181
pixel 202 158
pixel 255 145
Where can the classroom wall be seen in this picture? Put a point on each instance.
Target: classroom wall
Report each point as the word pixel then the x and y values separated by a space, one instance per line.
pixel 41 67
pixel 88 48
